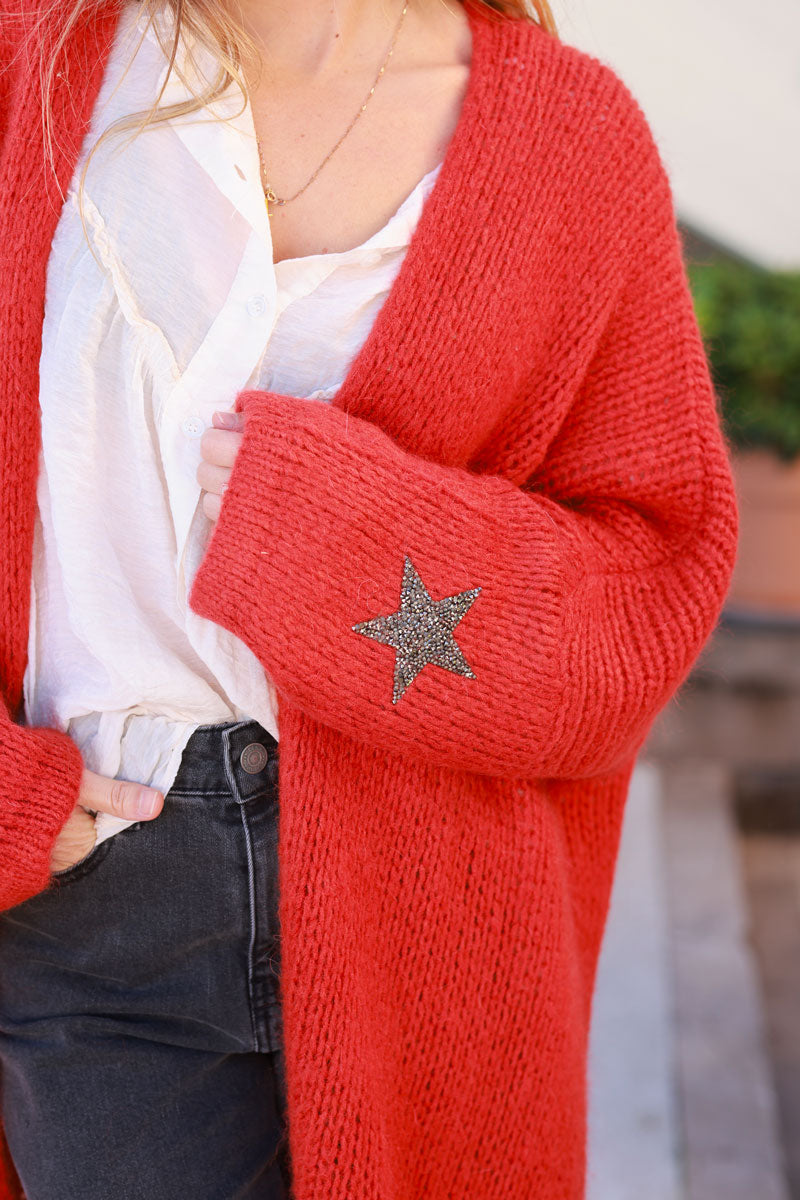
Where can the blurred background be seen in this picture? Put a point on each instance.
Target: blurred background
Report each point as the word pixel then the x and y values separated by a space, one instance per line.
pixel 695 1053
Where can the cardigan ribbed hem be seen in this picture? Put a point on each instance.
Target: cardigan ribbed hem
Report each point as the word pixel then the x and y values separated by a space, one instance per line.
pixel 43 770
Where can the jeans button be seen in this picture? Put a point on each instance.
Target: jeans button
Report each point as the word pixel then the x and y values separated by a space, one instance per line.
pixel 253 758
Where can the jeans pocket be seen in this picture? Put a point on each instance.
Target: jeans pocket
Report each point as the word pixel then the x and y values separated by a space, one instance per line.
pixel 84 866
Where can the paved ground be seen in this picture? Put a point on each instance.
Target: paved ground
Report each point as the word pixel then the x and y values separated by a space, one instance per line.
pixel 683 1103
pixel 772 874
pixel 633 1144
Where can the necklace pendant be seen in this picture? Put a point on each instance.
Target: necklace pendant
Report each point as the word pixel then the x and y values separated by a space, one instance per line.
pixel 271 198
pixel 270 195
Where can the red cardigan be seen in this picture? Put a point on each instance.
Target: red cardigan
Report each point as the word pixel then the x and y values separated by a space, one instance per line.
pixel 531 420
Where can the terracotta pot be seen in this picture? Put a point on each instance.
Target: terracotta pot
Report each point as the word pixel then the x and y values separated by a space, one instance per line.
pixel 766 577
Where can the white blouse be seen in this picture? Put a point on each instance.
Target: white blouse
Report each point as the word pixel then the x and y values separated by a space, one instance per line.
pixel 174 307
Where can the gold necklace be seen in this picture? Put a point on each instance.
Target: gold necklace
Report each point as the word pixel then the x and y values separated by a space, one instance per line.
pixel 269 192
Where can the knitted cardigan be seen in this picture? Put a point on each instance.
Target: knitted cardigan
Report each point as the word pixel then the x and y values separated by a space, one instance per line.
pixel 532 415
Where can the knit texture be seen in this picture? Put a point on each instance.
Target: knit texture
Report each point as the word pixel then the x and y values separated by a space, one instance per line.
pixel 532 414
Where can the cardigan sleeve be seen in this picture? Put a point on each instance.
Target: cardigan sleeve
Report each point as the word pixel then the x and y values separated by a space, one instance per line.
pixel 588 591
pixel 42 772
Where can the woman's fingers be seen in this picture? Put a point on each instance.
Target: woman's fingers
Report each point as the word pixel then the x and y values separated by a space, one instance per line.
pixel 131 801
pixel 212 478
pixel 77 837
pixel 218 449
pixel 211 505
pixel 213 481
pixel 220 446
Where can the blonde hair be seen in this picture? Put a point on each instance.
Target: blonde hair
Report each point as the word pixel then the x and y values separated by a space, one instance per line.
pixel 213 28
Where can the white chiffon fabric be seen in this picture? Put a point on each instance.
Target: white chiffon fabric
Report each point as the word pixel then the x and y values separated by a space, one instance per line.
pixel 171 307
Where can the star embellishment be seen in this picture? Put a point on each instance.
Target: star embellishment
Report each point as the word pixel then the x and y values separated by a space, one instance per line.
pixel 421 631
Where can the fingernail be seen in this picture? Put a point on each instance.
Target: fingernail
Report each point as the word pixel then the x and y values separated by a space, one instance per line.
pixel 147 802
pixel 225 420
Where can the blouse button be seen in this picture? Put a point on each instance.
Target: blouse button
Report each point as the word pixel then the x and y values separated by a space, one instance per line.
pixel 257 305
pixel 193 427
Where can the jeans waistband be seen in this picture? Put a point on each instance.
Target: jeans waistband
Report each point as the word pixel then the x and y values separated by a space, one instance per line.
pixel 239 758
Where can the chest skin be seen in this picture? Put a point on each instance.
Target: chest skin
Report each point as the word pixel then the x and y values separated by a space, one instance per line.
pixel 400 136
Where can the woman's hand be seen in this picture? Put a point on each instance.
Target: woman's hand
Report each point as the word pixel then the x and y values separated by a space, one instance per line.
pixel 218 447
pixel 130 801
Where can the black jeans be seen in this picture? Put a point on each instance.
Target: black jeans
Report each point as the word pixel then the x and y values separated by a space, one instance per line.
pixel 140 1020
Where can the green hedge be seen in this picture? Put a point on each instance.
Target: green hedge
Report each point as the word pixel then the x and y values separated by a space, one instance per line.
pixel 750 322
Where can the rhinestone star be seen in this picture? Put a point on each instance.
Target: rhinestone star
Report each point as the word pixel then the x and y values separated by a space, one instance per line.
pixel 421 630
